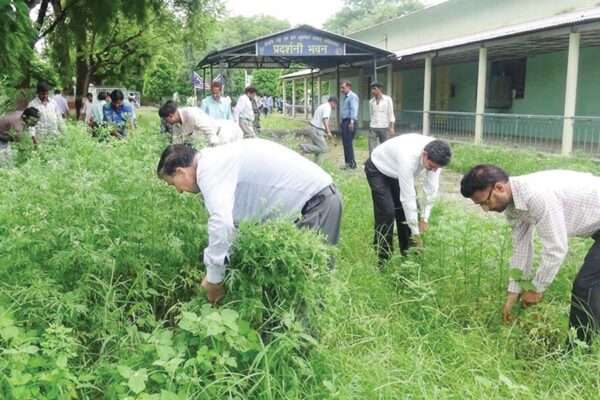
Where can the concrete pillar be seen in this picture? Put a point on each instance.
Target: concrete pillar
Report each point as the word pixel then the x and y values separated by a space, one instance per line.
pixel 480 104
pixel 305 98
pixel 293 98
pixel 427 96
pixel 283 97
pixel 318 91
pixel 570 93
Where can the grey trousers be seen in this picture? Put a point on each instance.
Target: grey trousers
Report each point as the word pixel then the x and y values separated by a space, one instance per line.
pixel 248 128
pixel 318 146
pixel 323 212
pixel 374 134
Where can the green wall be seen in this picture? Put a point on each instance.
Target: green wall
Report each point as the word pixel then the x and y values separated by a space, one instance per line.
pixel 588 87
pixel 412 89
pixel 464 79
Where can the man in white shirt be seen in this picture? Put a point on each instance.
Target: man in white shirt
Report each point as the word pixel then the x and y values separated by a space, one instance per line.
pixel 190 122
pixel 51 120
pixel 251 179
pixel 244 111
pixel 391 172
pixel 61 102
pixel 319 127
pixel 87 109
pixel 558 204
pixel 382 116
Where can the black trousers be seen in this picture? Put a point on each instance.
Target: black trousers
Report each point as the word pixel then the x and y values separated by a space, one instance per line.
pixel 387 208
pixel 585 296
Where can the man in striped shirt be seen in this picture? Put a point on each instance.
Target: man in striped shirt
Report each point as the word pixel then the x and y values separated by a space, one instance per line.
pixel 51 120
pixel 558 204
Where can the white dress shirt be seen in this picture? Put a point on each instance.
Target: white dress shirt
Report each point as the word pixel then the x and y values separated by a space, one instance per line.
pixel 87 109
pixel 401 158
pixel 194 122
pixel 252 179
pixel 382 112
pixel 243 108
pixel 322 112
pixel 51 120
pixel 559 204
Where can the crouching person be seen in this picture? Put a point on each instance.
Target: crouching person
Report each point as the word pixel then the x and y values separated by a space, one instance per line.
pixel 557 205
pixel 251 179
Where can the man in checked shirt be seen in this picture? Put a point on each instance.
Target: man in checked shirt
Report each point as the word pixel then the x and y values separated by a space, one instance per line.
pixel 558 204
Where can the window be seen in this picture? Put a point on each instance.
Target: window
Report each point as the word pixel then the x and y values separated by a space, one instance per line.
pixel 515 70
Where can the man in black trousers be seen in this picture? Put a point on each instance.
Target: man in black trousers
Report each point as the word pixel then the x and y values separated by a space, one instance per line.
pixel 391 172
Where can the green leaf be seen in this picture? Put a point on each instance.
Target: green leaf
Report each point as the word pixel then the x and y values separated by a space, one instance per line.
pixel 9 332
pixel 516 274
pixel 61 361
pixel 125 371
pixel 168 395
pixel 137 381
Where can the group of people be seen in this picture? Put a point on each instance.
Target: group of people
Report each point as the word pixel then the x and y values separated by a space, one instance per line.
pixel 215 122
pixel 45 116
pixel 381 126
pixel 110 111
pixel 257 179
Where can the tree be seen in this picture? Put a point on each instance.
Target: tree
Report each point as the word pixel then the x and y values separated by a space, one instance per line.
pixel 236 30
pixel 359 14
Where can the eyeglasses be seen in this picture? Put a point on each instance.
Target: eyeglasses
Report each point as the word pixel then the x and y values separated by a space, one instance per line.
pixel 486 202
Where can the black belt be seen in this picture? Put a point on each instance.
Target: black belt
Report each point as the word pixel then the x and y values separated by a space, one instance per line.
pixel 314 201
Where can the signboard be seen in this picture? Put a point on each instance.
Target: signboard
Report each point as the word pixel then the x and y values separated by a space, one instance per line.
pixel 299 43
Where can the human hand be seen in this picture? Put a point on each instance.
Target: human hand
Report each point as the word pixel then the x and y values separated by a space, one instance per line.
pixel 509 303
pixel 391 132
pixel 531 298
pixel 214 291
pixel 417 242
pixel 423 226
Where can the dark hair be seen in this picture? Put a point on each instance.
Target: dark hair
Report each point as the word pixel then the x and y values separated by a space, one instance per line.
pixel 439 152
pixel 102 96
pixel 481 177
pixel 31 112
pixel 115 95
pixel 376 84
pixel 333 98
pixel 175 156
pixel 170 107
pixel 250 89
pixel 216 84
pixel 42 87
pixel 56 91
pixel 89 95
pixel 347 83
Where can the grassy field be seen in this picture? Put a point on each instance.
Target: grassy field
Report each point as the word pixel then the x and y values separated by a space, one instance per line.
pixel 100 263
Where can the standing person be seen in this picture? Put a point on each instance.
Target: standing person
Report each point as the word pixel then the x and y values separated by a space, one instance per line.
pixel 98 112
pixel 558 204
pixel 190 122
pixel 61 102
pixel 87 109
pixel 319 128
pixel 117 114
pixel 215 105
pixel 51 121
pixel 252 179
pixel 383 119
pixel 349 121
pixel 257 106
pixel 133 103
pixel 12 125
pixel 391 172
pixel 244 111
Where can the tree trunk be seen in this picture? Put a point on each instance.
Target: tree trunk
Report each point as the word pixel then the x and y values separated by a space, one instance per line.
pixel 83 73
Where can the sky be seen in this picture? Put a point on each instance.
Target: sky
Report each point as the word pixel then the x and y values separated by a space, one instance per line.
pixel 311 12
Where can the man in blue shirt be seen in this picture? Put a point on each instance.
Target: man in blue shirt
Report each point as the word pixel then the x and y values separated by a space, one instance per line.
pixel 349 116
pixel 117 114
pixel 215 105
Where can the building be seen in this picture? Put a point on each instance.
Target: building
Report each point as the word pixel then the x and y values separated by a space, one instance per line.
pixel 522 73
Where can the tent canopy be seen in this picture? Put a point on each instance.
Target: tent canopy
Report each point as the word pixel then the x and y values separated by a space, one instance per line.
pixel 302 46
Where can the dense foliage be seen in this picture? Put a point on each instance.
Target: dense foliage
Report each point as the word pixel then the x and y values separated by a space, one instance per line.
pixel 100 265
